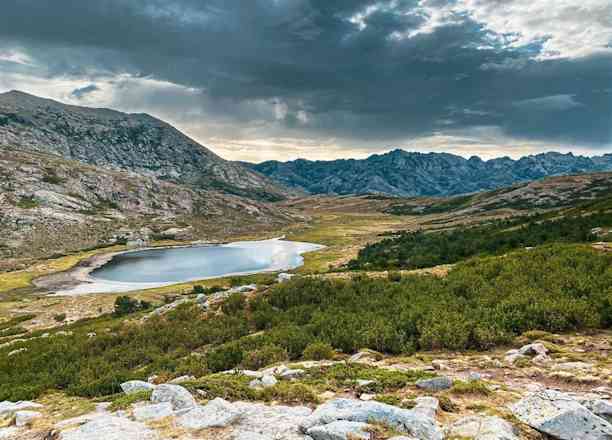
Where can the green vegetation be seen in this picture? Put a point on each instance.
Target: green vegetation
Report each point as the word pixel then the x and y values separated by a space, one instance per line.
pixel 444 205
pixel 473 387
pixel 415 250
pixel 318 351
pixel 124 305
pixel 481 303
pixel 27 202
pixel 124 401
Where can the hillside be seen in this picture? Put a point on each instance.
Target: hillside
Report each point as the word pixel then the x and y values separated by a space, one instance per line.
pixel 134 142
pixel 409 174
pixel 51 205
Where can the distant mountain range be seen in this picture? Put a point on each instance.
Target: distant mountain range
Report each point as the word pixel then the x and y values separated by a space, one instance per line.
pixel 136 142
pixel 407 174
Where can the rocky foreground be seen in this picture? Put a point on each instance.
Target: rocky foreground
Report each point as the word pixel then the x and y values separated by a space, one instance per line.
pixel 531 392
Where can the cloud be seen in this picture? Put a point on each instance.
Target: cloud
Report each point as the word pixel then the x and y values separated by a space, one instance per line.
pixel 83 91
pixel 365 73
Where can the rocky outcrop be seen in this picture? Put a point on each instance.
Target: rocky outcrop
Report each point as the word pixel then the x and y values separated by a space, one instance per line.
pixel 414 422
pixel 561 416
pixel 176 395
pixel 136 386
pixel 482 428
pixel 340 430
pixel 109 427
pixel 435 384
pixel 217 413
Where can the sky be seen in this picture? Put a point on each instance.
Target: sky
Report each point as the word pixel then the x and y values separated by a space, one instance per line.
pixel 321 79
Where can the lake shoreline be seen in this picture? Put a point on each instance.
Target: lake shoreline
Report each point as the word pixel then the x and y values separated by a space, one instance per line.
pixel 79 280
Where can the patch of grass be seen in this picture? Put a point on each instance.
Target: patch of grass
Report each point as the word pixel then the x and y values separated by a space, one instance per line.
pixel 474 387
pixel 27 202
pixel 341 376
pixel 124 401
pixel 289 392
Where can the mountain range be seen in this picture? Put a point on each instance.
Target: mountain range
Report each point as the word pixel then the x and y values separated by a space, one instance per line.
pixel 407 174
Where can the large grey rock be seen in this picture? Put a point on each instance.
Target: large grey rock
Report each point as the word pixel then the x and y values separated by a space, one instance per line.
pixel 534 349
pixel 560 416
pixel 435 384
pixel 25 417
pixel 340 430
pixel 217 413
pixel 482 428
pixel 179 397
pixel 272 422
pixel 415 422
pixel 136 386
pixel 9 432
pixel 110 427
pixel 8 408
pixel 155 411
pixel 601 407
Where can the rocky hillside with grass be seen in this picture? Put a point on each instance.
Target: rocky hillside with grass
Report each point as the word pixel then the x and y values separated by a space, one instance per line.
pixel 50 205
pixel 410 174
pixel 592 189
pixel 135 142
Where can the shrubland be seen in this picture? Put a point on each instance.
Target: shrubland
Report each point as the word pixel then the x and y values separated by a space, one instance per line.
pixel 415 250
pixel 482 303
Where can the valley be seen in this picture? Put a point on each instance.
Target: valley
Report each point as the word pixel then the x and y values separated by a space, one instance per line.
pixel 429 316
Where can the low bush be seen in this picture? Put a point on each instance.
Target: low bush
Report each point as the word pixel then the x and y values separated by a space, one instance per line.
pixel 318 351
pixel 264 356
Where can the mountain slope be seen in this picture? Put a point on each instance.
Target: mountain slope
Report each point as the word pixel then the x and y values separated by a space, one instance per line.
pixel 135 142
pixel 409 174
pixel 51 205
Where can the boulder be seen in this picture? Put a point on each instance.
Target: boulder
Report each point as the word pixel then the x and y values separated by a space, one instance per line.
pixel 414 421
pixel 7 408
pixel 136 386
pixel 560 416
pixel 154 411
pixel 534 349
pixel 512 356
pixel 340 430
pixel 292 373
pixel 482 428
pixel 426 405
pixel 110 427
pixel 178 396
pixel 182 379
pixel 269 422
pixel 217 413
pixel 435 384
pixel 249 435
pixel 268 381
pixel 601 407
pixel 574 366
pixel 9 432
pixel 282 277
pixel 25 417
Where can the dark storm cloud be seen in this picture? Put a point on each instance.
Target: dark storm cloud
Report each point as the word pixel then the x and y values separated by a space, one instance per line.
pixel 83 91
pixel 348 68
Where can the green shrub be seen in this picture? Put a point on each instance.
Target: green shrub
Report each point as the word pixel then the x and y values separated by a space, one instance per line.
pixel 475 387
pixel 60 317
pixel 224 357
pixel 318 351
pixel 125 401
pixel 124 305
pixel 234 304
pixel 264 356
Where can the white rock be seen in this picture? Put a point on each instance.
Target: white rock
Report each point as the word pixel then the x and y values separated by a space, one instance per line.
pixel 178 396
pixel 282 277
pixel 367 397
pixel 482 428
pixel 268 381
pixel 182 379
pixel 217 413
pixel 435 384
pixel 250 373
pixel 274 422
pixel 364 382
pixel 25 417
pixel 292 373
pixel 9 408
pixel 154 411
pixel 249 435
pixel 541 359
pixel 413 422
pixel 340 430
pixel 9 432
pixel 512 356
pixel 603 408
pixel 136 386
pixel 560 416
pixel 440 365
pixel 110 427
pixel 534 349
pixel 426 405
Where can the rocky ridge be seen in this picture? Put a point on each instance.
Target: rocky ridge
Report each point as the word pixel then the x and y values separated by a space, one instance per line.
pixel 134 142
pixel 409 174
